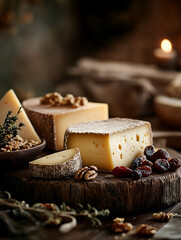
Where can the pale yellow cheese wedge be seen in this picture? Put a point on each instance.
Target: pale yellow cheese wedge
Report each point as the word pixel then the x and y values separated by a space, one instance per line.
pixel 57 165
pixel 110 143
pixel 10 102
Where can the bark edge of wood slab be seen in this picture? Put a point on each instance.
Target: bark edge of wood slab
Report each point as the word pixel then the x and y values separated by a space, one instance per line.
pixel 117 194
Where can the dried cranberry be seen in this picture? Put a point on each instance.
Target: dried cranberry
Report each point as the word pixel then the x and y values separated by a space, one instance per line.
pixel 122 172
pixel 161 165
pixel 160 154
pixel 116 171
pixel 149 151
pixel 137 174
pixel 137 162
pixel 174 163
pixel 147 163
pixel 145 170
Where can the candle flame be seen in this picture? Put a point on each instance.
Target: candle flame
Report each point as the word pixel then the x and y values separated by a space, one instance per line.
pixel 166 45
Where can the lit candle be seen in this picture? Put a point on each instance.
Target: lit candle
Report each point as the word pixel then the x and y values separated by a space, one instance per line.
pixel 165 56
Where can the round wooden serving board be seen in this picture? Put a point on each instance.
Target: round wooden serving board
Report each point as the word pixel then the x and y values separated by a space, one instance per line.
pixel 123 195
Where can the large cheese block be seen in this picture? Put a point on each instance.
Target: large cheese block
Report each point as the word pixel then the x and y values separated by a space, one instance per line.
pixel 52 122
pixel 110 143
pixel 10 102
pixel 56 165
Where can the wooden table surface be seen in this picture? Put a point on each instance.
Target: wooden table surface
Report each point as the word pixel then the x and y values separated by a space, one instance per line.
pixel 84 229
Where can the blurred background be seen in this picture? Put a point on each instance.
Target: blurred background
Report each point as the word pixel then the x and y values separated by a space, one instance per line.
pixel 100 49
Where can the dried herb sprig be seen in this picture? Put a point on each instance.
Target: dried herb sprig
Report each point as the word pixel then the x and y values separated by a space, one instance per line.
pixel 89 212
pixel 9 130
pixel 19 218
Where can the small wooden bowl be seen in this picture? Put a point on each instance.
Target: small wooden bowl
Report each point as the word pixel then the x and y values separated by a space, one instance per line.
pixel 168 110
pixel 19 158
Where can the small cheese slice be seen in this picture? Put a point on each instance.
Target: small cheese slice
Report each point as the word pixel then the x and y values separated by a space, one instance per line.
pixel 56 165
pixel 10 102
pixel 52 122
pixel 110 143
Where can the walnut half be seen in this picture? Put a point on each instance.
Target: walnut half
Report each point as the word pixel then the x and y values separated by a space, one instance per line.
pixel 119 226
pixel 146 230
pixel 56 99
pixel 162 217
pixel 86 173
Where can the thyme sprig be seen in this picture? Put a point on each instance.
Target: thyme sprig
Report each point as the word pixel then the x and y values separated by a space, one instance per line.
pixel 20 218
pixel 89 212
pixel 9 130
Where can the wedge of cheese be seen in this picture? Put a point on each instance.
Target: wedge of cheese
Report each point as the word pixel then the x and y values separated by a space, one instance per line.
pixel 10 102
pixel 110 143
pixel 52 122
pixel 57 165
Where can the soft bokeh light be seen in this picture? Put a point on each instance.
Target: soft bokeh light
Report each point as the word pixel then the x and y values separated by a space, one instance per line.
pixel 166 45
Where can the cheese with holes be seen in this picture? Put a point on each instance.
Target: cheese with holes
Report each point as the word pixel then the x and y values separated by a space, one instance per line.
pixel 10 102
pixel 57 165
pixel 52 122
pixel 110 143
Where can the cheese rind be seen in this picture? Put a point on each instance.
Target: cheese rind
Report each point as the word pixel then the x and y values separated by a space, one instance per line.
pixel 52 122
pixel 10 102
pixel 110 143
pixel 57 165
